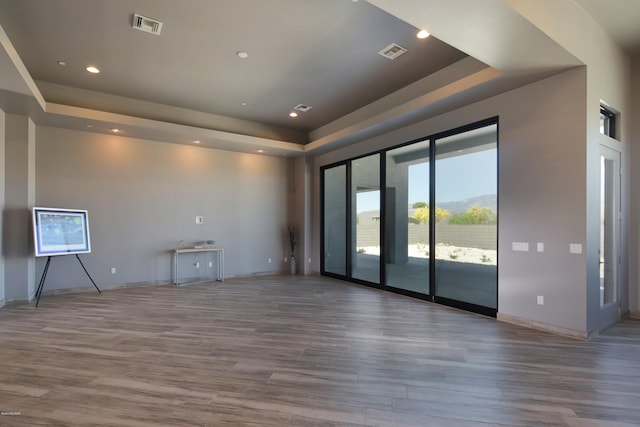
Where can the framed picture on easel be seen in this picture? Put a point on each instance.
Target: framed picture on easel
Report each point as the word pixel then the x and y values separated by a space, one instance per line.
pixel 60 231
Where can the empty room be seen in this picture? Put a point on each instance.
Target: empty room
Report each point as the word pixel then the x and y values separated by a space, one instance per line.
pixel 320 212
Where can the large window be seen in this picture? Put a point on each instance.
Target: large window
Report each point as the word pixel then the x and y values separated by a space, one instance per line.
pixel 420 218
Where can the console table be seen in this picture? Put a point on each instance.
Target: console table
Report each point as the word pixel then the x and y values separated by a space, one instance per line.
pixel 219 252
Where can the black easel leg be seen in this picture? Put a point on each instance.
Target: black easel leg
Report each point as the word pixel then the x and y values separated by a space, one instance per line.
pixel 85 270
pixel 41 285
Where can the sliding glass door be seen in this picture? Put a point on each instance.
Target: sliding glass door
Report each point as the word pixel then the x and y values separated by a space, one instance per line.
pixel 419 219
pixel 466 231
pixel 334 239
pixel 365 218
pixel 407 218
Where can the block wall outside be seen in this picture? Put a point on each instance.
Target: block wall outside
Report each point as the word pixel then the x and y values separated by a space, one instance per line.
pixel 470 236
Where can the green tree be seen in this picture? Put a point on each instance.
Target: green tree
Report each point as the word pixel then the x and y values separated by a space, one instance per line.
pixel 475 215
pixel 417 205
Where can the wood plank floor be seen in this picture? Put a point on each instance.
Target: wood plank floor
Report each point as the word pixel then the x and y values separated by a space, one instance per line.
pixel 302 351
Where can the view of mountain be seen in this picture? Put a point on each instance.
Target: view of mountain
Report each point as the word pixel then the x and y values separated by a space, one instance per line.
pixel 460 206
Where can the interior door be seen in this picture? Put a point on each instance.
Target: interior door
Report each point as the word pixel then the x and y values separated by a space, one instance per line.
pixel 609 236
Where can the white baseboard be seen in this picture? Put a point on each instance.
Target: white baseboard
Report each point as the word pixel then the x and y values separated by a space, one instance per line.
pixel 556 330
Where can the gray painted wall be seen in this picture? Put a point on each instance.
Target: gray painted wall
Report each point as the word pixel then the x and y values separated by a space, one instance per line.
pixel 143 197
pixel 300 210
pixel 542 192
pixel 634 254
pixel 19 199
pixel 2 185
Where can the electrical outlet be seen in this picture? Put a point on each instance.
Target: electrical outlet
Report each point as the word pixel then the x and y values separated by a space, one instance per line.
pixel 540 300
pixel 540 247
pixel 210 263
pixel 113 270
pixel 199 219
pixel 269 260
pixel 197 264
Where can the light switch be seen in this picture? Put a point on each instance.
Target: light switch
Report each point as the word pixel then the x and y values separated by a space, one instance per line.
pixel 540 247
pixel 199 219
pixel 575 248
pixel 520 246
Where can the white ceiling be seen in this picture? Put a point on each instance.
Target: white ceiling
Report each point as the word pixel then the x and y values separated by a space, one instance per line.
pixel 188 83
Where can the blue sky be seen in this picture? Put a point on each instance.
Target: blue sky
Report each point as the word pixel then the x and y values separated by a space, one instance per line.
pixel 457 178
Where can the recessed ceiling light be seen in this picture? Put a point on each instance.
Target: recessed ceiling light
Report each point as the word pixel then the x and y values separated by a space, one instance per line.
pixel 115 130
pixel 196 141
pixel 423 34
pixel 260 151
pixel 242 54
pixel 244 104
pixel 293 114
pixel 88 126
pixel 92 69
pixel 62 63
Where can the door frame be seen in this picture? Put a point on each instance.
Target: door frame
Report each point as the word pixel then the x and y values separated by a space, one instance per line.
pixel 609 313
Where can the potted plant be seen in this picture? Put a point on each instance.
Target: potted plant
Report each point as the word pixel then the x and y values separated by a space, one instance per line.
pixel 292 250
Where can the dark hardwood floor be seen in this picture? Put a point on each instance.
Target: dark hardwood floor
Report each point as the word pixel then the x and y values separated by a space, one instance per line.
pixel 301 351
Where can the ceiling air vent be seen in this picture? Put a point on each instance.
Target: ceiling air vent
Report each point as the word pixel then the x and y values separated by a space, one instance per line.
pixel 302 107
pixel 392 51
pixel 147 25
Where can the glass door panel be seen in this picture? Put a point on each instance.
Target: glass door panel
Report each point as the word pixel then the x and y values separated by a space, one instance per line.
pixel 466 215
pixel 365 218
pixel 335 220
pixel 407 218
pixel 609 235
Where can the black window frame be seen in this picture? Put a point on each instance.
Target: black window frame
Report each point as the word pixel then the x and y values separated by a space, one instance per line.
pixel 610 118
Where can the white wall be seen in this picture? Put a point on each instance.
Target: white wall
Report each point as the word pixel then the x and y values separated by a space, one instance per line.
pixel 143 197
pixel 542 193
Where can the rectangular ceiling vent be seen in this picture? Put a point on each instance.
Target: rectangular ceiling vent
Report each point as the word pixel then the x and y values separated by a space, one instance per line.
pixel 147 25
pixel 302 107
pixel 392 51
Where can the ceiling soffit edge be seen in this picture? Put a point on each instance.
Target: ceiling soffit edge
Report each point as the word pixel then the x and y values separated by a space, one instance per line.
pixel 72 117
pixel 72 96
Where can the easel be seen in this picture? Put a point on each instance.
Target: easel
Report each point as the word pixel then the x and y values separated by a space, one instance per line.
pixel 44 276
